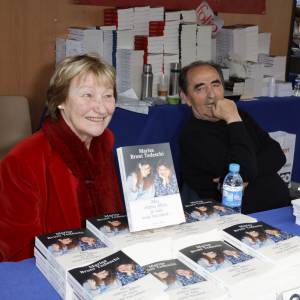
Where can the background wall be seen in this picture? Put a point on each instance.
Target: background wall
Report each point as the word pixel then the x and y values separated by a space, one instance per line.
pixel 29 29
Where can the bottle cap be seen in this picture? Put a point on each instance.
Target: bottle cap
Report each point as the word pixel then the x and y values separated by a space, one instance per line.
pixel 147 68
pixel 175 66
pixel 234 167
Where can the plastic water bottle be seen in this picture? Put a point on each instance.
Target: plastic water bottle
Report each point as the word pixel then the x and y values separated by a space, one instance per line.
pixel 272 87
pixel 232 192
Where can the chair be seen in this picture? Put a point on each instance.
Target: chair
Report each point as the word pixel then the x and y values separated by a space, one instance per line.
pixel 15 122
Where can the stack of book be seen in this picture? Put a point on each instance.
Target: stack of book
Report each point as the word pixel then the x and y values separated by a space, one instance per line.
pixel 58 252
pixel 114 231
pixel 171 37
pixel 238 40
pixel 213 214
pixel 81 41
pixel 125 39
pixel 204 43
pixel 125 18
pixel 188 16
pixel 251 42
pixel 141 20
pixel 179 280
pixel 129 67
pixel 280 248
pixel 149 44
pixel 235 268
pixel 172 15
pixel 254 88
pixel 156 28
pixel 274 65
pixel 264 42
pixel 117 276
pixel 254 70
pixel 157 14
pixel 109 44
pixel 188 45
pixel 60 49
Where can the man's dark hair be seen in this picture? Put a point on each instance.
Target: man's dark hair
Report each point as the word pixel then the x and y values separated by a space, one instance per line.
pixel 183 80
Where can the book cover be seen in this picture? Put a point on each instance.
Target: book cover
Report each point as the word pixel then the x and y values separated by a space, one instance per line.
pixel 225 263
pixel 150 186
pixel 71 248
pixel 206 209
pixel 181 282
pixel 108 226
pixel 116 276
pixel 113 230
pixel 213 214
pixel 267 241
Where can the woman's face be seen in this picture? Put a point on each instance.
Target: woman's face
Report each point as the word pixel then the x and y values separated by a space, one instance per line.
pixel 202 208
pixel 66 241
pixel 88 107
pixel 115 223
pixel 145 170
pixel 184 272
pixel 163 171
pixel 162 274
pixel 210 254
pixel 125 268
pixel 253 233
pixel 272 231
pixel 219 207
pixel 230 252
pixel 88 240
pixel 102 274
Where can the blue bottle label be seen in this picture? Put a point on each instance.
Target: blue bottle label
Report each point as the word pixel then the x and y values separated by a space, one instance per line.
pixel 232 195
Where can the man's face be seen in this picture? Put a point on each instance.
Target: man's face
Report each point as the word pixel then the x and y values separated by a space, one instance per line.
pixel 204 90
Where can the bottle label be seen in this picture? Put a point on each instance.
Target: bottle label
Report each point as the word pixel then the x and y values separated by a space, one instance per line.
pixel 232 195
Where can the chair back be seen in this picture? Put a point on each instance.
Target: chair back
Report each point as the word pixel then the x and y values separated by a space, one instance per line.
pixel 15 122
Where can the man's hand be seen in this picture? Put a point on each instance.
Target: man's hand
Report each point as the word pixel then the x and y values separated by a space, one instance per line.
pixel 226 110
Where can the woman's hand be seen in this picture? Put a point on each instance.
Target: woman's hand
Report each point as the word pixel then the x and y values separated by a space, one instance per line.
pixel 134 181
pixel 92 284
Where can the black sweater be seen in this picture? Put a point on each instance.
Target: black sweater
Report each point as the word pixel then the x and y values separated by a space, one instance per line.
pixel 207 149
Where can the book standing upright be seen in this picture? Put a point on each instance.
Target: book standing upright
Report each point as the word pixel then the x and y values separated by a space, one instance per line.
pixel 150 186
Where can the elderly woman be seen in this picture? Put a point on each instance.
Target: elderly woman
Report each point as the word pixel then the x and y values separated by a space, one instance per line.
pixel 65 172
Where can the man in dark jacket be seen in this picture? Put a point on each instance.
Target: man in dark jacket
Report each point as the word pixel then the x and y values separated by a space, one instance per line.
pixel 217 134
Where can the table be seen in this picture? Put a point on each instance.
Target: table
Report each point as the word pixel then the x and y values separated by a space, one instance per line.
pixel 164 122
pixel 22 280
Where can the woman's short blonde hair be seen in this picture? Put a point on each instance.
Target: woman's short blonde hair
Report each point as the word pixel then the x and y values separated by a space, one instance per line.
pixel 69 68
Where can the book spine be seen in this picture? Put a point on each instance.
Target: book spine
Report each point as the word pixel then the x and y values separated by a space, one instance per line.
pixel 123 178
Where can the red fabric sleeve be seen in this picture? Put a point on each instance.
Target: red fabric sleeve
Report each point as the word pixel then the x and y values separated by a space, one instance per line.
pixel 19 210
